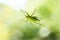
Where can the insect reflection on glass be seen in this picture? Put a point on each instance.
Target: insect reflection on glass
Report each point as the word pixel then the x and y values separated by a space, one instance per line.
pixel 31 17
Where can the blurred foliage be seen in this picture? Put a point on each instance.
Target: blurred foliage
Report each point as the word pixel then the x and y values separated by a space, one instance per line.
pixel 44 11
pixel 30 33
pixel 6 13
pixel 30 30
pixel 52 36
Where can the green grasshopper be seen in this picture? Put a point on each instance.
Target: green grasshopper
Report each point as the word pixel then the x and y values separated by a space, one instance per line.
pixel 33 18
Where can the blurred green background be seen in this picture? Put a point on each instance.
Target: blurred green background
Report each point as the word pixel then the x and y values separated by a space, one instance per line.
pixel 14 27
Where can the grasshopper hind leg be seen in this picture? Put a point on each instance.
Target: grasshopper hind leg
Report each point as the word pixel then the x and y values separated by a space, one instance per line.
pixel 39 24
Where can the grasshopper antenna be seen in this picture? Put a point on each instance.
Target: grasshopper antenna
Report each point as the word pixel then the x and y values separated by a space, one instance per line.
pixel 24 12
pixel 33 12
